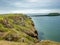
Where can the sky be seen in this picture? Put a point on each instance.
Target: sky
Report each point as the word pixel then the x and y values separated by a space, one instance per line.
pixel 29 6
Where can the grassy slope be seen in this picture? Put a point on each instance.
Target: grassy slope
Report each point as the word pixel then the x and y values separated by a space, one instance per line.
pixel 14 25
pixel 45 42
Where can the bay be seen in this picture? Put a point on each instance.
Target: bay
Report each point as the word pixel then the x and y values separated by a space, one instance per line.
pixel 48 27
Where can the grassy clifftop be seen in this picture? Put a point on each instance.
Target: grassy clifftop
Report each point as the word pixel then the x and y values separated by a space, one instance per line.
pixel 17 27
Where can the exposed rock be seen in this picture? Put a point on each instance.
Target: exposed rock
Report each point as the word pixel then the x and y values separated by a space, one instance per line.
pixel 6 23
pixel 11 37
pixel 21 39
pixel 30 33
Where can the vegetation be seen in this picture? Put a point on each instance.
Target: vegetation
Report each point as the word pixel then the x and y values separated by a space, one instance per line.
pixel 16 27
pixel 53 14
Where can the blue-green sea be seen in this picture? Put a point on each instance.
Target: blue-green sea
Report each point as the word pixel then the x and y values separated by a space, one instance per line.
pixel 48 27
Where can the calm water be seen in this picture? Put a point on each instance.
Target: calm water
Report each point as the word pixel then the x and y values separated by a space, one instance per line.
pixel 48 27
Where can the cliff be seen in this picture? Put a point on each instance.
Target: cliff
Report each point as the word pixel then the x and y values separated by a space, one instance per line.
pixel 18 29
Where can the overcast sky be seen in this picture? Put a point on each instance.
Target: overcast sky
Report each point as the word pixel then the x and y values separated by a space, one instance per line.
pixel 29 6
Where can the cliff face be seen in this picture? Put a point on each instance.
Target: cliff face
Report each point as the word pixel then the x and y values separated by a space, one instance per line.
pixel 17 27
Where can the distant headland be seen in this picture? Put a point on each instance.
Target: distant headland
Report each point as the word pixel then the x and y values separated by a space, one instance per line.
pixel 50 14
pixel 54 14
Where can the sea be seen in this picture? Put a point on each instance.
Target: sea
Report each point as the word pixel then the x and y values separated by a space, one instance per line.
pixel 48 27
